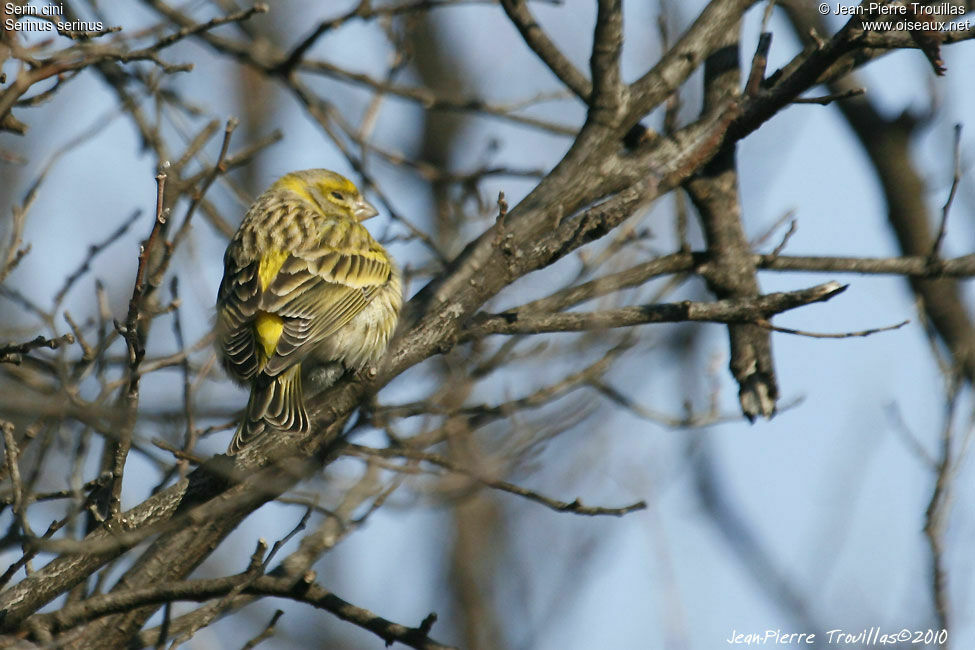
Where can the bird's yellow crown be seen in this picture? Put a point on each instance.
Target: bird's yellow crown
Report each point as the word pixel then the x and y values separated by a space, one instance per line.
pixel 328 191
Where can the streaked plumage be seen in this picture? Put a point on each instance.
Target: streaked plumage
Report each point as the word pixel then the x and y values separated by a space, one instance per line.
pixel 304 284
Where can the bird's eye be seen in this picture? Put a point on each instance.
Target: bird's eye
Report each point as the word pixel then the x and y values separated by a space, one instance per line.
pixel 338 196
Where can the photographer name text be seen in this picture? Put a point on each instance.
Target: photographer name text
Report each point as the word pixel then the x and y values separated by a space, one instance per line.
pixel 873 636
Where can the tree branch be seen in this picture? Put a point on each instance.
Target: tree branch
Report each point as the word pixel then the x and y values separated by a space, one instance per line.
pixel 609 94
pixel 737 310
pixel 304 590
pixel 547 51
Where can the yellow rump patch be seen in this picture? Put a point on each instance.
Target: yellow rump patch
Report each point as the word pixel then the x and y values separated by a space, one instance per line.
pixel 269 266
pixel 268 328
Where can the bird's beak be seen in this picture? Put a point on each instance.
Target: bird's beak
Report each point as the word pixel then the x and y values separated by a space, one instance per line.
pixel 363 210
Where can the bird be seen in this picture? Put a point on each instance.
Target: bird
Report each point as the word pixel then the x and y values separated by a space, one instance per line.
pixel 305 289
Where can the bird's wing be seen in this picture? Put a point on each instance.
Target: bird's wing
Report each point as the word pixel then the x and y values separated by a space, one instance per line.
pixel 318 291
pixel 237 305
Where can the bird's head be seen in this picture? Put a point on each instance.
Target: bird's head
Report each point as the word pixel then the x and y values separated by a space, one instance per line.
pixel 330 191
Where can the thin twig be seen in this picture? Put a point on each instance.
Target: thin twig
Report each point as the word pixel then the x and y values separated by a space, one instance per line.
pixel 939 506
pixel 946 208
pixel 267 633
pixel 822 335
pixel 575 507
pixel 13 352
pixel 135 346
pixel 826 100
pixel 793 226
pixel 93 252
pixel 12 456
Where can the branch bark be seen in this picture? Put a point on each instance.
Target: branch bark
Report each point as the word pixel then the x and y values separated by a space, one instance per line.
pixel 303 590
pixel 728 273
pixel 732 311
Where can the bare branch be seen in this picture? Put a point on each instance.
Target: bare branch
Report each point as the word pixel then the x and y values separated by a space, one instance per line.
pixel 609 94
pixel 738 310
pixel 955 180
pixel 13 352
pixel 574 507
pixel 840 335
pixel 546 50
pixel 304 590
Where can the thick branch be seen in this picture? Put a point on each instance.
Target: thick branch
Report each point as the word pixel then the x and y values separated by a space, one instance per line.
pixel 303 591
pixel 684 57
pixel 609 92
pixel 730 272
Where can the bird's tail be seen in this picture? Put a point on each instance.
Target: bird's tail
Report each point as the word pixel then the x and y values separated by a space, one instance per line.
pixel 275 404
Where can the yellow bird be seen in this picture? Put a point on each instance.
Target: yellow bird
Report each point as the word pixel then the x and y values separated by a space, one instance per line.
pixel 305 287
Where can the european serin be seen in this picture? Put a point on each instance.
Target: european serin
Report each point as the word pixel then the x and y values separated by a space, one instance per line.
pixel 304 286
